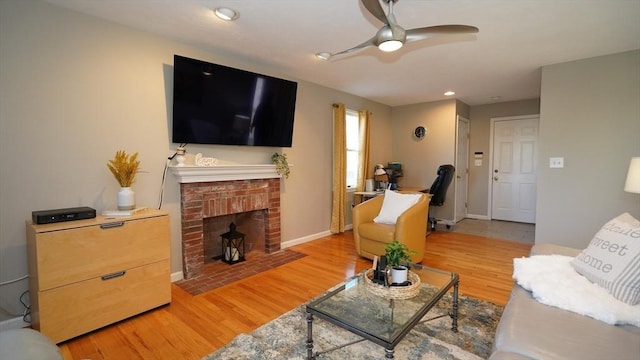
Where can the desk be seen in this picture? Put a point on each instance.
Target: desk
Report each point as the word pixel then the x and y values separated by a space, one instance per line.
pixel 362 196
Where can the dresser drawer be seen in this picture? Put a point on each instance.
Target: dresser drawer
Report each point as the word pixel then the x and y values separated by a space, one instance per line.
pixel 68 311
pixel 77 254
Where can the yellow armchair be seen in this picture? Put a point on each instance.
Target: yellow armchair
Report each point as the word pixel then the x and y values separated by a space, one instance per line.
pixel 410 228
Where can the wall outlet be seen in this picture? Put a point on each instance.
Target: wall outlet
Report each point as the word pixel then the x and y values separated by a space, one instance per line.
pixel 556 162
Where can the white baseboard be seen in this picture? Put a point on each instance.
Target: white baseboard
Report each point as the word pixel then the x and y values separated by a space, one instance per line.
pixel 177 276
pixel 304 239
pixel 14 323
pixel 478 217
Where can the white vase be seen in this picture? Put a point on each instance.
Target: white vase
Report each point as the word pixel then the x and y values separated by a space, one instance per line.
pixel 126 199
pixel 399 274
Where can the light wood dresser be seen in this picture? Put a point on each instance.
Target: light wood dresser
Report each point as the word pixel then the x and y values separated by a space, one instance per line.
pixel 87 274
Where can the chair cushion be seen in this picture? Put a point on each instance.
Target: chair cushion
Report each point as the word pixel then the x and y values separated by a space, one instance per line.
pixel 393 205
pixel 612 259
pixel 379 232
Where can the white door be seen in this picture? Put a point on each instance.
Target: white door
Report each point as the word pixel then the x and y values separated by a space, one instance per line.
pixel 514 173
pixel 462 168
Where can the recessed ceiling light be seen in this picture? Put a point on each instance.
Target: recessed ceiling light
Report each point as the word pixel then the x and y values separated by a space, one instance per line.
pixel 226 13
pixel 449 93
pixel 495 98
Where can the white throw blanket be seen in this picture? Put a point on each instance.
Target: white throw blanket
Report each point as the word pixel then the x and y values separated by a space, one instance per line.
pixel 552 281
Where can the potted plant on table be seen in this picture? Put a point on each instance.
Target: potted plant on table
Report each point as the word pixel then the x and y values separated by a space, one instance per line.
pixel 398 255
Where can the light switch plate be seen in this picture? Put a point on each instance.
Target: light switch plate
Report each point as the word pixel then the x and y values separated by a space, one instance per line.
pixel 556 162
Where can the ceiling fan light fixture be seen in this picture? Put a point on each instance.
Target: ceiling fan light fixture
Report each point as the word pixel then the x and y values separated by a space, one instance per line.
pixel 390 45
pixel 226 13
pixel 390 38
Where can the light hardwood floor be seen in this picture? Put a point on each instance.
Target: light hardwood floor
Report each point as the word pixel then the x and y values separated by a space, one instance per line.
pixel 194 326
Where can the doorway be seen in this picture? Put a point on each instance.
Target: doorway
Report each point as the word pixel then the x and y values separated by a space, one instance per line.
pixel 514 147
pixel 462 168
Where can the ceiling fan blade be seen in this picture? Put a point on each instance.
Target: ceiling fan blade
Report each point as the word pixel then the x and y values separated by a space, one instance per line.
pixel 374 7
pixel 429 31
pixel 370 42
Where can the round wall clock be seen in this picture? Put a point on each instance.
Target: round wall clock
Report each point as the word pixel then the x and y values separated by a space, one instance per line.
pixel 420 132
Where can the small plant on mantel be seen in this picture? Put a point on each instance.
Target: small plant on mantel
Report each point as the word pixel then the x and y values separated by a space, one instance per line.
pixel 124 168
pixel 398 253
pixel 280 161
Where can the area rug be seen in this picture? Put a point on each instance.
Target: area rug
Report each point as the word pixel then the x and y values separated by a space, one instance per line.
pixel 284 337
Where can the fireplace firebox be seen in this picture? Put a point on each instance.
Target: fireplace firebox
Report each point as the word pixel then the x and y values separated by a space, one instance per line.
pixel 203 200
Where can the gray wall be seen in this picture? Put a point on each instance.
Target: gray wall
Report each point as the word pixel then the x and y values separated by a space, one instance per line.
pixel 590 115
pixel 479 141
pixel 74 89
pixel 420 158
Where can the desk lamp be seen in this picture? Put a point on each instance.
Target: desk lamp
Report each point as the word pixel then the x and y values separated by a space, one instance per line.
pixel 381 177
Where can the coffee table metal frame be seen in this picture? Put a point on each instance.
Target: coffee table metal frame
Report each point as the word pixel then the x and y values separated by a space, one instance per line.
pixel 313 309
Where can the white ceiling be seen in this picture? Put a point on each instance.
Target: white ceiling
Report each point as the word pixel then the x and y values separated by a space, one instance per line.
pixel 504 59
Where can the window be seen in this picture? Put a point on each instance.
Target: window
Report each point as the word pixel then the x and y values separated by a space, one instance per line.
pixel 353 147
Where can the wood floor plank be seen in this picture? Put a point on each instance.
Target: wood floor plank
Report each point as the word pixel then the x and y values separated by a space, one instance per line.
pixel 193 326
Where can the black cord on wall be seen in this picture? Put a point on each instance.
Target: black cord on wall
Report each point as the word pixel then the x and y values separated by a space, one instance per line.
pixel 164 175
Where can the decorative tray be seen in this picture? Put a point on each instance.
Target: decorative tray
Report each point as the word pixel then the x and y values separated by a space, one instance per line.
pixel 393 292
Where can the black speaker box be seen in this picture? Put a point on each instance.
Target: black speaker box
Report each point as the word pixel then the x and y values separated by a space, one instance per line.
pixel 60 215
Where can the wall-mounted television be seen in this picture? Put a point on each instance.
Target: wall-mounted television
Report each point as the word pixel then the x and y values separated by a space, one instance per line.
pixel 215 104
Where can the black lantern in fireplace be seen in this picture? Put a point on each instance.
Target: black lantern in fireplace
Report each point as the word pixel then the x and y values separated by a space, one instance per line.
pixel 232 245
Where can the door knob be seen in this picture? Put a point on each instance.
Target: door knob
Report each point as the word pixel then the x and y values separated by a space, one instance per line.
pixel 495 178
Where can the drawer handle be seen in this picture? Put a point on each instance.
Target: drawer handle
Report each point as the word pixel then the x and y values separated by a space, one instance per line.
pixel 112 225
pixel 113 276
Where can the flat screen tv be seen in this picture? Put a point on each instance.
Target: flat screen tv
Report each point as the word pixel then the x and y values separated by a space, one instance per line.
pixel 215 104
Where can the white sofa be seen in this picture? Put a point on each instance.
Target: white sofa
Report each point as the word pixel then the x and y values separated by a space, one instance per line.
pixel 27 344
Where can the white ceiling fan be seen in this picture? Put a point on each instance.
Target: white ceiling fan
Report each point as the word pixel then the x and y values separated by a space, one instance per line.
pixel 392 36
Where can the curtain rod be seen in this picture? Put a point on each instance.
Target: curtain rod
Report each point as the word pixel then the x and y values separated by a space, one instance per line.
pixel 334 105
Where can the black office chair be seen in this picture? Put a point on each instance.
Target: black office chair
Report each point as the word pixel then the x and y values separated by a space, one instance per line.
pixel 438 190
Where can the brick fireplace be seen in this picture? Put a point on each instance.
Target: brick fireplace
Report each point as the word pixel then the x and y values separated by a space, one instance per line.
pixel 218 191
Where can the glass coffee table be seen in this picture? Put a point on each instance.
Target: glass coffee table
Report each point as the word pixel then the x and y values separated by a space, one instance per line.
pixel 379 319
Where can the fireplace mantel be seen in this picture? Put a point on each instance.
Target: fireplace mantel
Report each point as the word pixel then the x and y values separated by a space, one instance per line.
pixel 223 172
